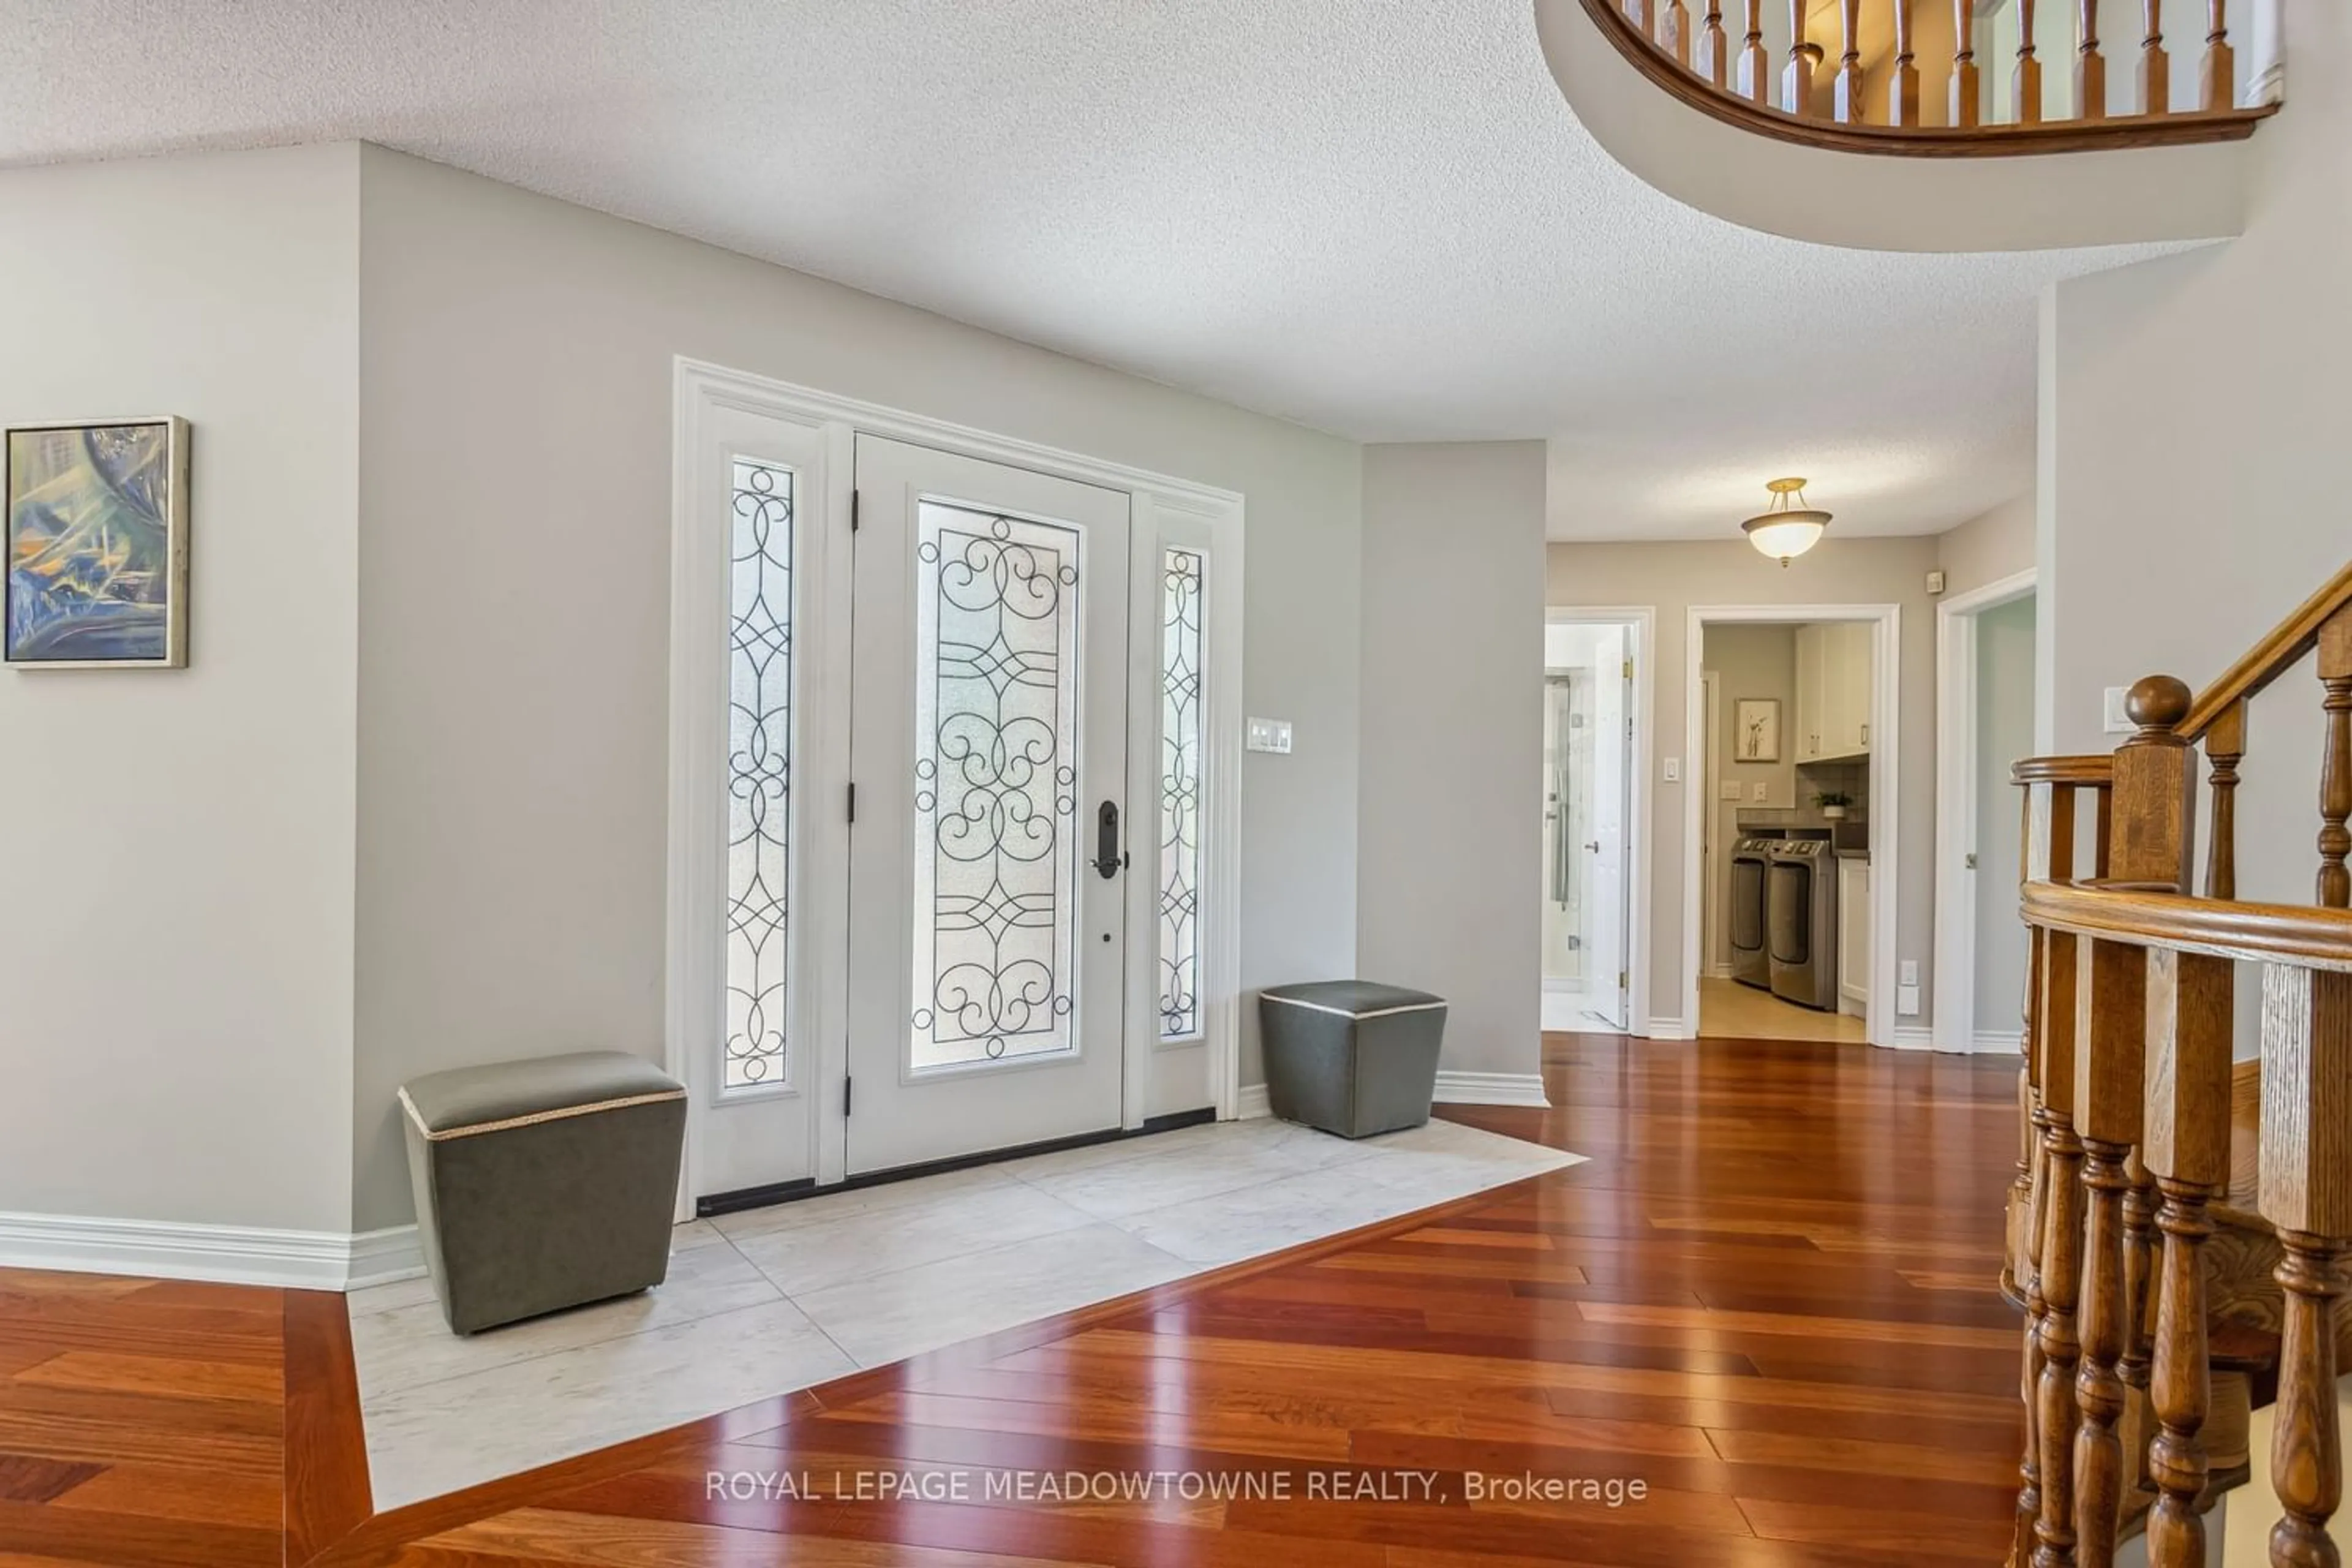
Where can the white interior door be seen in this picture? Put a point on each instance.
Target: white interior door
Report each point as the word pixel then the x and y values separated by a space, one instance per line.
pixel 1611 803
pixel 988 758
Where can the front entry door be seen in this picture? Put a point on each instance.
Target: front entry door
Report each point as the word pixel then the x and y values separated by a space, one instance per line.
pixel 991 819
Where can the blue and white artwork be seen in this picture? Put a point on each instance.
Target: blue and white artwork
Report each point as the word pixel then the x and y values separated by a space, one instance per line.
pixel 96 545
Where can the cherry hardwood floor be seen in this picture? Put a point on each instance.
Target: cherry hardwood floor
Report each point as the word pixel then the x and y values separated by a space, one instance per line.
pixel 1768 1299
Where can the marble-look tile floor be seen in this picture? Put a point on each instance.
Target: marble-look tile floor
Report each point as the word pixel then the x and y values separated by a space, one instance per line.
pixel 778 1299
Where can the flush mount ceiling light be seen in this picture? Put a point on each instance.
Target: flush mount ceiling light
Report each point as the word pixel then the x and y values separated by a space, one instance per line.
pixel 1786 529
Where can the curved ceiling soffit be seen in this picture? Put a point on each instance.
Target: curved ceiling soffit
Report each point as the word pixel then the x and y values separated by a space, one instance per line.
pixel 2130 196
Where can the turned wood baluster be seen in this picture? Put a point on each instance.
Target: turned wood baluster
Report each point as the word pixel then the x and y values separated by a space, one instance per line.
pixel 1674 31
pixel 1638 12
pixel 1755 69
pixel 2216 88
pixel 2186 1150
pixel 2306 1192
pixel 1847 93
pixel 1966 87
pixel 2059 1275
pixel 2225 747
pixel 1714 49
pixel 2025 84
pixel 2090 66
pixel 2336 761
pixel 2110 1053
pixel 2155 76
pixel 1797 81
pixel 2049 856
pixel 2139 1304
pixel 1903 82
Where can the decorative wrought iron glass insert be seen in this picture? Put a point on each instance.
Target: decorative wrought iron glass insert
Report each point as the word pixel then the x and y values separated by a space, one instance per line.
pixel 1180 796
pixel 995 788
pixel 758 774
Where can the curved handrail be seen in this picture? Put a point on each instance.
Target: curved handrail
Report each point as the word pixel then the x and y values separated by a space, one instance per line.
pixel 2306 936
pixel 1922 141
pixel 2269 659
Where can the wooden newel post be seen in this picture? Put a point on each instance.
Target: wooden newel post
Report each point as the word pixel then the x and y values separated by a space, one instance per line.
pixel 2306 1192
pixel 2186 1150
pixel 2154 790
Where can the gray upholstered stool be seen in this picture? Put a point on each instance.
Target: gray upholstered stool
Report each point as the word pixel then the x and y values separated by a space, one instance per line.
pixel 543 1185
pixel 1351 1057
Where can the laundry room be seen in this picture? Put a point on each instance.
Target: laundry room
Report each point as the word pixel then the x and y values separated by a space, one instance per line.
pixel 1786 871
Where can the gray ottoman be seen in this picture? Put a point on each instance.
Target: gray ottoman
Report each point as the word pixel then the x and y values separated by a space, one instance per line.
pixel 1351 1057
pixel 543 1185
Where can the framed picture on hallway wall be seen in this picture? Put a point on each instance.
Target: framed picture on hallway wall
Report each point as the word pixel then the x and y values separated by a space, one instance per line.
pixel 1755 730
pixel 97 545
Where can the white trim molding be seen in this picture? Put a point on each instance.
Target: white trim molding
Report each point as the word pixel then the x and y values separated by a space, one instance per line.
pixel 1914 1037
pixel 1955 804
pixel 1999 1042
pixel 214 1254
pixel 1491 1089
pixel 1671 1029
pixel 1250 1101
pixel 1885 790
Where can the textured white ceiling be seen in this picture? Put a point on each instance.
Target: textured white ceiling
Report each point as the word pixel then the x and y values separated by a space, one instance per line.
pixel 1374 217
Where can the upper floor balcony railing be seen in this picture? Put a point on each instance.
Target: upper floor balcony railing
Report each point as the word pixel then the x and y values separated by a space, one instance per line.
pixel 1958 78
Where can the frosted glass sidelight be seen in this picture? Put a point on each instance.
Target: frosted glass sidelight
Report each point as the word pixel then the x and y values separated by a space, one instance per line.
pixel 995 788
pixel 758 774
pixel 1180 796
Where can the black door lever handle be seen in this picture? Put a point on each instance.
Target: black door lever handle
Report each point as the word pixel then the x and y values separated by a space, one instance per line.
pixel 1109 860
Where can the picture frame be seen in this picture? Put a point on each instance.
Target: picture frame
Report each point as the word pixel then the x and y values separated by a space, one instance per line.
pixel 94 543
pixel 1755 730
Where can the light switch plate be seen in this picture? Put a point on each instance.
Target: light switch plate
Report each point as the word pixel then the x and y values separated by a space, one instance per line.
pixel 1909 974
pixel 2118 723
pixel 1731 789
pixel 1673 770
pixel 1269 735
pixel 1763 792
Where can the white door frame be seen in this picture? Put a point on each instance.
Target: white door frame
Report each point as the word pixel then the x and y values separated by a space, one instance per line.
pixel 1711 825
pixel 1955 802
pixel 1642 620
pixel 1178 509
pixel 1885 801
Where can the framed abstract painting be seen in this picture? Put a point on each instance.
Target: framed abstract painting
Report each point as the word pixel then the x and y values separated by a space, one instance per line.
pixel 97 545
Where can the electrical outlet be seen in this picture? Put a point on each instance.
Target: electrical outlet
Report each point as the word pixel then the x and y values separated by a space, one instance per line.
pixel 1763 792
pixel 1731 789
pixel 1907 1001
pixel 1672 770
pixel 1909 974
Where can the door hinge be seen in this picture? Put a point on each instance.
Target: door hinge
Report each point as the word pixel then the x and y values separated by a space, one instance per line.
pixel 853 801
pixel 1621 979
pixel 854 524
pixel 845 1084
pixel 1629 669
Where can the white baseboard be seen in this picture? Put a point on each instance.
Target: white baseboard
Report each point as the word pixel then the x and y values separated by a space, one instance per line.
pixel 1718 971
pixel 1252 1101
pixel 1491 1089
pixel 1914 1037
pixel 1671 1029
pixel 1999 1042
pixel 216 1254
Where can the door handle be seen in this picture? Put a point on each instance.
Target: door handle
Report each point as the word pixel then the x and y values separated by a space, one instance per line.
pixel 1108 860
pixel 1594 847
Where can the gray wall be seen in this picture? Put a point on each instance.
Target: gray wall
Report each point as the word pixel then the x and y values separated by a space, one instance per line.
pixel 175 944
pixel 2005 636
pixel 1988 547
pixel 1450 825
pixel 1754 661
pixel 1672 577
pixel 514 506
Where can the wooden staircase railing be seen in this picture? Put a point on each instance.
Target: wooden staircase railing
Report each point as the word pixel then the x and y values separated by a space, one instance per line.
pixel 1871 99
pixel 2127 1156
